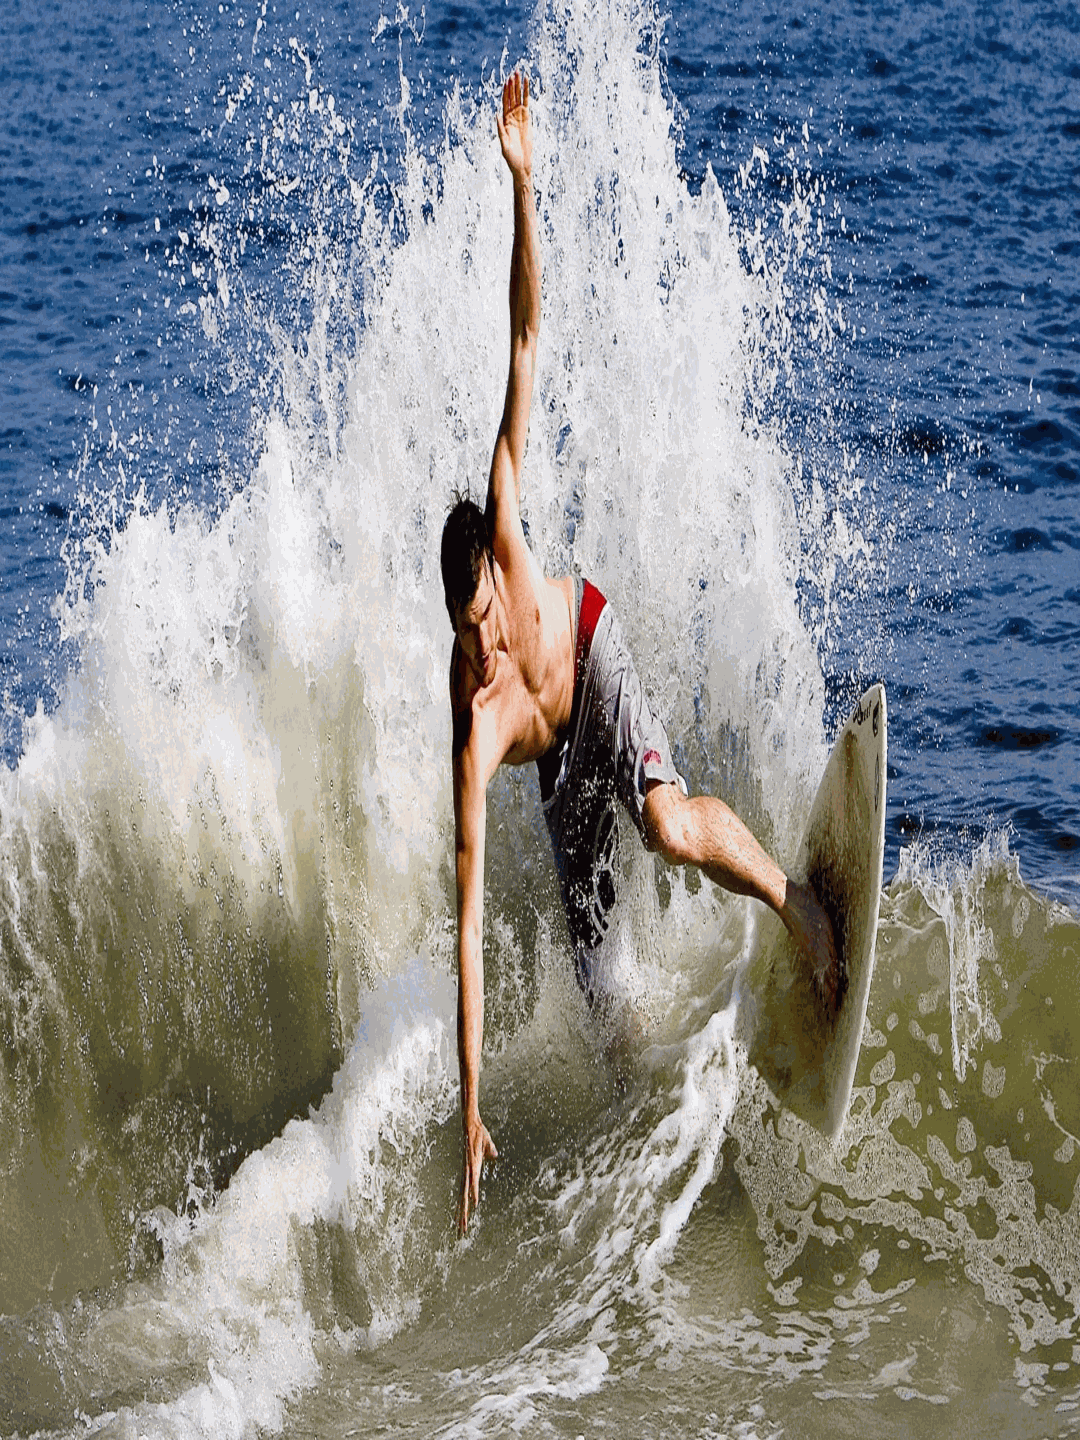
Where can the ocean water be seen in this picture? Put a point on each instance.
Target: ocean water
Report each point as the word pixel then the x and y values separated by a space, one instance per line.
pixel 807 410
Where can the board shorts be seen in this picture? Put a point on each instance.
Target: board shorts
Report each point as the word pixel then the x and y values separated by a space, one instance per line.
pixel 612 747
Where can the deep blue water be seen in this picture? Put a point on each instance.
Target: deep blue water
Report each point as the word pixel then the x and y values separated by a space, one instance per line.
pixel 949 140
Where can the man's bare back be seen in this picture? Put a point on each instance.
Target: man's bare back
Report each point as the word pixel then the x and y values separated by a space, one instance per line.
pixel 514 680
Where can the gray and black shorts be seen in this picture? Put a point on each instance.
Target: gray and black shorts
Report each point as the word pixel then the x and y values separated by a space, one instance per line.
pixel 612 747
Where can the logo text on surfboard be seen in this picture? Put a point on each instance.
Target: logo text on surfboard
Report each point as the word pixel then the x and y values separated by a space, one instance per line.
pixel 864 711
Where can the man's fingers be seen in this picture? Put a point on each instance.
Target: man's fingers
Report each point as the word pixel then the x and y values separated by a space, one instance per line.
pixel 463 1208
pixel 470 1190
pixel 475 1155
pixel 515 94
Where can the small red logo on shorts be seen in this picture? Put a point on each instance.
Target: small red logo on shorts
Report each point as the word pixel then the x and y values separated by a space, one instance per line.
pixel 652 757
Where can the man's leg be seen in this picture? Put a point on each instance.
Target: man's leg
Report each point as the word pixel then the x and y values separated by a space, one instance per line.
pixel 701 830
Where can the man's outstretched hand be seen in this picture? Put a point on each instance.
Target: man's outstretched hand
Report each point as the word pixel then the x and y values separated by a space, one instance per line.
pixel 515 129
pixel 478 1148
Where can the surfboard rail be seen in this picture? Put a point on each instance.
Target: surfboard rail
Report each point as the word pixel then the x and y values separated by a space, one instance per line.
pixel 806 1053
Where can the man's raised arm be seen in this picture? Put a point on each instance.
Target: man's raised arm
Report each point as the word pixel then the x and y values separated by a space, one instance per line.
pixel 504 482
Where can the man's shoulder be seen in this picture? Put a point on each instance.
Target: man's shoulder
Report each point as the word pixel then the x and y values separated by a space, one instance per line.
pixel 526 591
pixel 462 731
pixel 473 709
pixel 455 671
pixel 461 696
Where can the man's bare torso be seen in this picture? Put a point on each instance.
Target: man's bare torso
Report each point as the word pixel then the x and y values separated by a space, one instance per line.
pixel 525 704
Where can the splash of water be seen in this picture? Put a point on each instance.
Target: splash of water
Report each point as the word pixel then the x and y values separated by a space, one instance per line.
pixel 234 827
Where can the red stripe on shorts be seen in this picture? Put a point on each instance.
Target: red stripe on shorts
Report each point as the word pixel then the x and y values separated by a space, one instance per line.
pixel 592 603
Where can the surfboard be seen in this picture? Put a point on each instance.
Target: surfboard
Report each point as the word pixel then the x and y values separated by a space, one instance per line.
pixel 806 1054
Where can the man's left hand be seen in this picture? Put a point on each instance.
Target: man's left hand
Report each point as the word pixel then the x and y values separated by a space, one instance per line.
pixel 515 128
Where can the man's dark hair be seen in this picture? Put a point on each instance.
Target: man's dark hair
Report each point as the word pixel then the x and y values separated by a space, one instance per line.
pixel 466 548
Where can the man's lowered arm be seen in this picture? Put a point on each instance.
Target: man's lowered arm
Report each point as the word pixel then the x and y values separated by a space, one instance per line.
pixel 470 822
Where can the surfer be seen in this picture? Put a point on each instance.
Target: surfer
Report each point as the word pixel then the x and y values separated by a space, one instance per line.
pixel 540 672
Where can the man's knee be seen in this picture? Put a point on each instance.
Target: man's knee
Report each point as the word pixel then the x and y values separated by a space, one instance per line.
pixel 666 823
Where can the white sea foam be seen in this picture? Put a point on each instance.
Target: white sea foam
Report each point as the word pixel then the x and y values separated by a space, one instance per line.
pixel 232 1296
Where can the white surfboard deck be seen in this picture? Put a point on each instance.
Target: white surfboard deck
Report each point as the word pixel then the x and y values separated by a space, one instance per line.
pixel 806 1055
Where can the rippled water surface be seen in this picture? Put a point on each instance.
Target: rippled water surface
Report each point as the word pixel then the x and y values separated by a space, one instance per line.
pixel 807 411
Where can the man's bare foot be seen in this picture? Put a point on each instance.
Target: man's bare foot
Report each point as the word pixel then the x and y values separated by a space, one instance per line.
pixel 811 929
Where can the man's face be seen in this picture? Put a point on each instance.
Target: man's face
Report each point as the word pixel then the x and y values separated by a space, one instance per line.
pixel 478 631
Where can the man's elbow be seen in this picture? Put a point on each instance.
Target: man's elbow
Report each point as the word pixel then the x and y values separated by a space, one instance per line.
pixel 524 361
pixel 472 933
pixel 470 928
